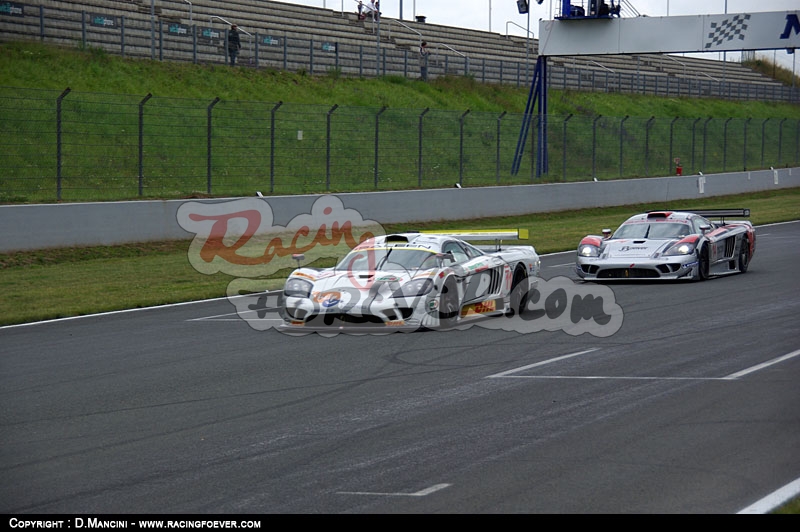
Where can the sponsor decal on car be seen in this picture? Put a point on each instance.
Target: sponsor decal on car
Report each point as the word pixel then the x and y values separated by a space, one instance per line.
pixel 479 308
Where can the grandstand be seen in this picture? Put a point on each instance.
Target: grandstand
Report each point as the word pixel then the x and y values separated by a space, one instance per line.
pixel 317 40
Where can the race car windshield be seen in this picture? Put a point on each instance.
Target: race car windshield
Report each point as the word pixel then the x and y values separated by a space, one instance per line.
pixel 388 259
pixel 652 230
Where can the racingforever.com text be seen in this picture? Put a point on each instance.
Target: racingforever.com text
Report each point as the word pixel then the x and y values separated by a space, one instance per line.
pixel 140 524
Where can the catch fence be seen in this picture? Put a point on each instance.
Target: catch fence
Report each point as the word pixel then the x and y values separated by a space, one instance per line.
pixel 73 146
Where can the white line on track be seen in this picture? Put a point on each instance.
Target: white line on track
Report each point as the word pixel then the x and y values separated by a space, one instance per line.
pixel 421 493
pixel 733 376
pixel 510 372
pixel 774 499
pixel 763 365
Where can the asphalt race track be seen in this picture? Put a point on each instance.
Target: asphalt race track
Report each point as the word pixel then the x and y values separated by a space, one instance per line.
pixel 691 406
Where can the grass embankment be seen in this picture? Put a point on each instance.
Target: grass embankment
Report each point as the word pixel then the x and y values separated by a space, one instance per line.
pixel 59 283
pixel 38 66
pixel 254 142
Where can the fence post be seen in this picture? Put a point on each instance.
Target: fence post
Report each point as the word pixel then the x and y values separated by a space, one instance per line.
pixel 780 140
pixel 621 139
pixel 272 147
pixel 208 144
pixel 377 131
pixel 647 146
pixel 594 147
pixel 419 157
pixel 763 134
pixel 141 142
pixel 797 142
pixel 725 144
pixel 328 148
pixel 58 141
pixel 497 156
pixel 564 148
pixel 461 148
pixel 705 139
pixel 535 147
pixel 694 140
pixel 671 129
pixel 744 146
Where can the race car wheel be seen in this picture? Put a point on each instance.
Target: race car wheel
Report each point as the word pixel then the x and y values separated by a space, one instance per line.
pixel 702 266
pixel 744 255
pixel 448 304
pixel 283 312
pixel 519 294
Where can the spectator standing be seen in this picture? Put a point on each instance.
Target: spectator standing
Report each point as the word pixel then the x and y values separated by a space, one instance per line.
pixel 423 60
pixel 234 44
pixel 361 15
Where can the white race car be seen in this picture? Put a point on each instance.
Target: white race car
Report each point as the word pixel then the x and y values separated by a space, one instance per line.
pixel 662 245
pixel 412 281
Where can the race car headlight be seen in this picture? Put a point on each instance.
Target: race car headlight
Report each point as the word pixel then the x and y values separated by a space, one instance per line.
pixel 681 248
pixel 297 288
pixel 417 287
pixel 588 250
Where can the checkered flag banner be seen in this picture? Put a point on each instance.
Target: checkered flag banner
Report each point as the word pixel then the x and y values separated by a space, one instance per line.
pixel 728 30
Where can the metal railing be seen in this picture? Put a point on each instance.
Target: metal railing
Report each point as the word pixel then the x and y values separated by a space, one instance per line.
pixel 409 28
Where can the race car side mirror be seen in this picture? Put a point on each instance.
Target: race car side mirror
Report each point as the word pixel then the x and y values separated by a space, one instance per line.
pixel 298 257
pixel 448 256
pixel 705 228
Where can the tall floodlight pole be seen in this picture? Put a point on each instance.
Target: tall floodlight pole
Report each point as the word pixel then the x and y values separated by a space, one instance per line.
pixel 152 29
pixel 528 47
pixel 378 48
pixel 490 15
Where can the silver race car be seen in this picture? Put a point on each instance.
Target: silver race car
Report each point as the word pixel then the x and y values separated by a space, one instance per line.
pixel 669 245
pixel 412 281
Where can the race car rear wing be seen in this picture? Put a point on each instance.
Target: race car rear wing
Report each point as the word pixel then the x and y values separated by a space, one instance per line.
pixel 472 235
pixel 720 213
pixel 485 235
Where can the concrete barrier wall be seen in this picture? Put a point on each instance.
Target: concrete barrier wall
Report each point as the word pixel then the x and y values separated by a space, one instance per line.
pixel 30 227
